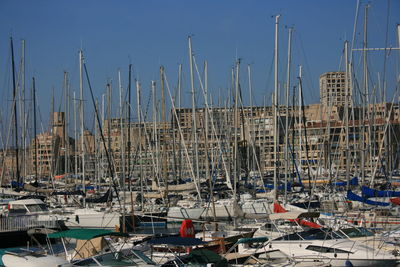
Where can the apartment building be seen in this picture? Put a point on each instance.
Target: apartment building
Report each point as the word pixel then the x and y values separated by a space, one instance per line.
pixel 334 89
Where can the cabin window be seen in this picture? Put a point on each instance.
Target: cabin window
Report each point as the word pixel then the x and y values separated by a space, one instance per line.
pixel 327 249
pixel 16 208
pixel 86 262
pixel 269 227
pixel 36 207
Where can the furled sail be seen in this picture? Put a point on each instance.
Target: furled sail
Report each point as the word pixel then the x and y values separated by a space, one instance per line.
pixel 370 192
pixel 353 181
pixel 104 198
pixel 355 197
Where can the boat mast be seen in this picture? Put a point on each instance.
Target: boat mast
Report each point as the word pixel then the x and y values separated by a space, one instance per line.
pixel 155 135
pixel 138 106
pixel 276 111
pixel 236 125
pixel 346 111
pixel 34 126
pixel 398 35
pixel 82 124
pixel 121 112
pixel 207 114
pixel 129 132
pixel 365 98
pixel 287 111
pixel 179 173
pixel 15 115
pixel 129 148
pixel 300 120
pixel 195 141
pixel 65 122
pixel 164 157
pixel 109 97
pixel 251 166
pixel 23 115
pixel 75 136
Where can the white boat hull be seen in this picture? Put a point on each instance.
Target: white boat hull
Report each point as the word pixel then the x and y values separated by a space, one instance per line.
pixel 89 218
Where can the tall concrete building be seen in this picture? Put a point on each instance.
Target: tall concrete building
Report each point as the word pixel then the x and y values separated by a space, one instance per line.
pixel 332 86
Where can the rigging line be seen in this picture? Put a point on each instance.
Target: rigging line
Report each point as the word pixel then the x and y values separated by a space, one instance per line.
pixel 211 117
pixel 110 166
pixel 180 131
pixel 386 54
pixel 137 148
pixel 354 31
pixel 268 81
pixel 383 139
pixel 136 151
pixel 148 147
pixel 6 144
pixel 311 87
pixel 306 142
pixel 254 152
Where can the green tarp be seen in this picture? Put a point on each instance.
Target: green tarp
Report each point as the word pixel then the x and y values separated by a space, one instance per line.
pixel 84 234
pixel 201 257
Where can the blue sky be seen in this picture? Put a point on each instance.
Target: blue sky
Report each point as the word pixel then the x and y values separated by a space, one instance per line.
pixel 152 33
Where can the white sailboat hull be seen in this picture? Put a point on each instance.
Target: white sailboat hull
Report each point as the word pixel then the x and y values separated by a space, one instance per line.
pixel 185 213
pixel 89 218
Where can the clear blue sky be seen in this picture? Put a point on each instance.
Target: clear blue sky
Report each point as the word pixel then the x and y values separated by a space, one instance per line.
pixel 152 33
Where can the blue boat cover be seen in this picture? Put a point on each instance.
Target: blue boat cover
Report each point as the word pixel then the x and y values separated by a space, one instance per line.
pixel 354 197
pixel 177 241
pixel 280 187
pixel 353 181
pixel 370 192
pixel 15 184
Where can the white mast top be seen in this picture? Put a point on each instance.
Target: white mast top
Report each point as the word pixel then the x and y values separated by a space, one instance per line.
pixel 81 115
pixel 276 115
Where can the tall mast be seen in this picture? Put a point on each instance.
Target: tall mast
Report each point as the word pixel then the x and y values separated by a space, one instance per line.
pixel 34 126
pixel 121 112
pixel 207 164
pixel 251 124
pixel 276 111
pixel 235 125
pixel 365 98
pixel 109 97
pixel 97 165
pixel 164 156
pixel 24 148
pixel 75 136
pixel 179 173
pixel 195 141
pixel 179 85
pixel 138 106
pixel 155 134
pixel 346 111
pixel 82 124
pixel 398 35
pixel 289 62
pixel 300 119
pixel 53 157
pixel 129 129
pixel 15 115
pixel 65 122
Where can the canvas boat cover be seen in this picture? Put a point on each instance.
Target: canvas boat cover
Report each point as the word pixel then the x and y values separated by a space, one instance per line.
pixel 355 197
pixel 85 234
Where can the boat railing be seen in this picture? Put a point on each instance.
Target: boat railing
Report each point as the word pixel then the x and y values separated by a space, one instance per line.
pixel 24 222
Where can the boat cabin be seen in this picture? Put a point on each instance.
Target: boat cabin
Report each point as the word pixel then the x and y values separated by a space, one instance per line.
pixel 27 206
